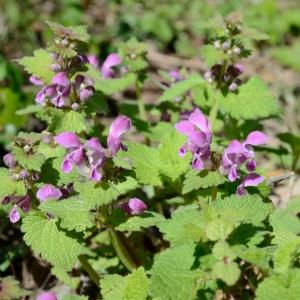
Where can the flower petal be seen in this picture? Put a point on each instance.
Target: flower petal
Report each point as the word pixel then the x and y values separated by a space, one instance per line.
pixel 9 160
pixel 14 215
pixel 67 165
pixel 256 138
pixel 61 79
pixel 198 119
pixel 68 140
pixel 252 179
pixel 111 61
pixel 134 206
pixel 46 296
pixel 48 191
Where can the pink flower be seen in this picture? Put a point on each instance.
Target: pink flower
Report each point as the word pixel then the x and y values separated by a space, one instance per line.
pixel 46 296
pixel 134 206
pixel 111 61
pixel 117 128
pixel 9 160
pixel 48 191
pixel 14 215
pixel 23 202
pixel 251 179
pixel 84 87
pixel 197 129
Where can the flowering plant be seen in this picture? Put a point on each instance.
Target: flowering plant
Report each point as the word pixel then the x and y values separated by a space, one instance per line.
pixel 164 201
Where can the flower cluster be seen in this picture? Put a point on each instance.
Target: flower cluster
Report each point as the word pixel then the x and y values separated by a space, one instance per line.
pixel 229 78
pixel 63 92
pixel 89 157
pixel 238 154
pixel 198 131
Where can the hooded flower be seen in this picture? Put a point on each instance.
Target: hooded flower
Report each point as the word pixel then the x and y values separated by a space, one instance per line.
pixel 175 75
pixel 117 128
pixel 84 87
pixel 48 191
pixel 23 202
pixel 197 129
pixel 9 160
pixel 58 91
pixel 111 61
pixel 71 142
pixel 14 215
pixel 237 154
pixel 134 206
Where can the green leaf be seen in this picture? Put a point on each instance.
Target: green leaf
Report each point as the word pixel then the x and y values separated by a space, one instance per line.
pixel 67 121
pixel 10 289
pixel 249 209
pixel 219 229
pixel 180 88
pixel 171 270
pixel 95 195
pixel 285 255
pixel 186 225
pixel 112 287
pixel 278 287
pixel 63 276
pixel 228 272
pixel 137 223
pixel 10 187
pixel 146 163
pixel 72 212
pixel 211 55
pixel 74 297
pixel 283 220
pixel 54 245
pixel 30 109
pixel 110 86
pixel 39 65
pixel 131 287
pixel 222 249
pixel 195 180
pixel 76 33
pixel 252 101
pixel 29 161
pixel 172 165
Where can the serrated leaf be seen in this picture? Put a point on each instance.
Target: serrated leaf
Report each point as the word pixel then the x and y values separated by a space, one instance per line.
pixel 29 161
pixel 72 212
pixel 10 187
pixel 95 195
pixel 62 50
pixel 171 270
pixel 145 162
pixel 77 33
pixel 228 272
pixel 180 88
pixel 172 165
pixel 252 101
pixel 249 209
pixel 283 220
pixel 195 180
pixel 30 109
pixel 109 86
pixel 211 55
pixel 131 287
pixel 285 255
pixel 186 225
pixel 67 121
pixel 278 287
pixel 54 245
pixel 39 65
pixel 222 249
pixel 137 223
pixel 10 289
pixel 219 229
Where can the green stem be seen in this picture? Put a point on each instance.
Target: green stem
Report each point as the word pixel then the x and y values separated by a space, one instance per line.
pixel 95 277
pixel 141 105
pixel 214 193
pixel 214 112
pixel 124 250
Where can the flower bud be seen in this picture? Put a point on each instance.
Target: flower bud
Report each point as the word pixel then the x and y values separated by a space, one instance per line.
pixel 237 50
pixel 9 160
pixel 217 44
pixel 233 87
pixel 75 106
pixel 134 206
pixel 226 45
pixel 46 296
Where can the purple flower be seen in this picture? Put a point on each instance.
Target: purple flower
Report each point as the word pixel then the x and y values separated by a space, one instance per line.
pixel 46 296
pixel 111 61
pixel 117 128
pixel 93 60
pixel 35 81
pixel 71 142
pixel 48 191
pixel 134 206
pixel 237 154
pixel 251 179
pixel 14 215
pixel 84 87
pixel 9 160
pixel 96 158
pixel 57 92
pixel 175 75
pixel 197 129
